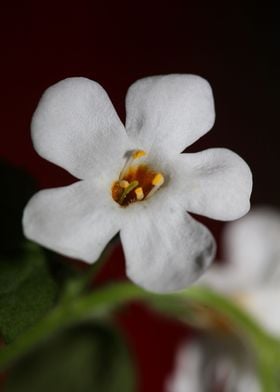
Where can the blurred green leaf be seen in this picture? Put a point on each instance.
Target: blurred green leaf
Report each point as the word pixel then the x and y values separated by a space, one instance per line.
pixel 27 292
pixel 88 358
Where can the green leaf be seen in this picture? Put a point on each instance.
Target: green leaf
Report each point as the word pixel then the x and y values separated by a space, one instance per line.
pixel 27 292
pixel 90 357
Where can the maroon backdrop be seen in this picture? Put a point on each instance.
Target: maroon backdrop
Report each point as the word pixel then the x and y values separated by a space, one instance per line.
pixel 235 47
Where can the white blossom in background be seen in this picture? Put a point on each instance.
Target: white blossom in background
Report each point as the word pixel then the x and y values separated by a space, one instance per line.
pixel 134 179
pixel 251 273
pixel 250 276
pixel 199 368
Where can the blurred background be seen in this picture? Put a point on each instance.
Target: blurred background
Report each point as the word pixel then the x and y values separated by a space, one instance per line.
pixel 234 45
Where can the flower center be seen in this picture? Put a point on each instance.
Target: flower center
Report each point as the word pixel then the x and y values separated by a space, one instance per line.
pixel 136 182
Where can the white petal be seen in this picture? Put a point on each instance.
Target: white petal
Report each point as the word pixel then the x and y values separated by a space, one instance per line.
pixel 252 245
pixel 216 183
pixel 202 366
pixel 77 221
pixel 165 249
pixel 247 381
pixel 188 368
pixel 236 376
pixel 76 127
pixel 223 278
pixel 263 304
pixel 169 112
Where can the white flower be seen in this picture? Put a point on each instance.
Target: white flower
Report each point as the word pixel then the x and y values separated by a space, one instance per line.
pixel 134 179
pixel 201 367
pixel 251 275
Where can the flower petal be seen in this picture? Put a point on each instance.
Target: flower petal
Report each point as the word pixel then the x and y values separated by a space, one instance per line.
pixel 206 364
pixel 75 220
pixel 252 245
pixel 216 183
pixel 224 278
pixel 188 369
pixel 246 381
pixel 169 112
pixel 165 249
pixel 263 304
pixel 76 127
pixel 260 301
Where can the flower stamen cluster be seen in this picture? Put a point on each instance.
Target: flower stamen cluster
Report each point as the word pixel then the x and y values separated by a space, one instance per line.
pixel 136 182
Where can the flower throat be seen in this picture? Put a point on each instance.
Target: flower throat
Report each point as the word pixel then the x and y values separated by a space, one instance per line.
pixel 136 182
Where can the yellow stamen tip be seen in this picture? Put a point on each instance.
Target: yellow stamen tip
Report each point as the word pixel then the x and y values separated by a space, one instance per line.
pixel 138 154
pixel 124 183
pixel 139 193
pixel 158 179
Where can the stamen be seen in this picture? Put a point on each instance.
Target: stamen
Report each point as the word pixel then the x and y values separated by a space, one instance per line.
pixel 157 181
pixel 139 193
pixel 136 154
pixel 137 181
pixel 127 190
pixel 124 184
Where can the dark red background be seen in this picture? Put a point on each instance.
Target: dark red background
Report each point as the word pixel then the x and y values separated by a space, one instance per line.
pixel 233 45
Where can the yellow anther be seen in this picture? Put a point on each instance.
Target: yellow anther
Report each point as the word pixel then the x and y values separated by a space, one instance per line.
pixel 158 179
pixel 138 154
pixel 124 183
pixel 139 193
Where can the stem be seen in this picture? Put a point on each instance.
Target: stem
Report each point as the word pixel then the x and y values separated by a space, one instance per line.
pixel 96 304
pixel 102 301
pixel 242 320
